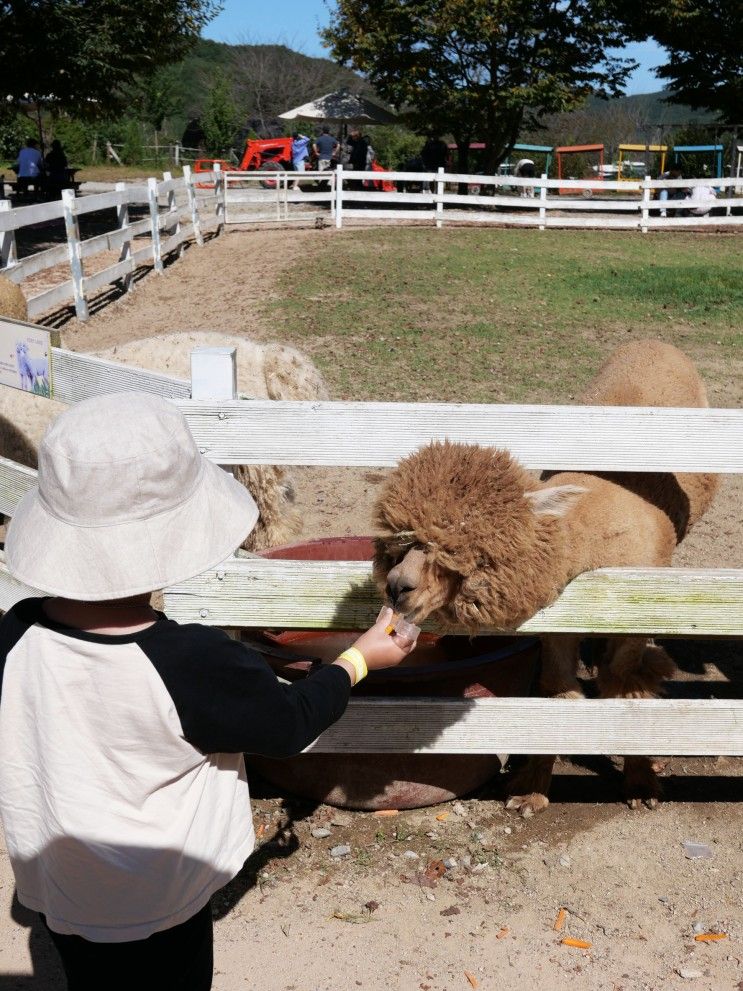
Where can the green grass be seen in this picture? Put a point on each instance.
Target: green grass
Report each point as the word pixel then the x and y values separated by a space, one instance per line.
pixel 501 315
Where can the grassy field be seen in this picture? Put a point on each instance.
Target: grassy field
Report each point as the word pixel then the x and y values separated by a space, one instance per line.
pixel 501 315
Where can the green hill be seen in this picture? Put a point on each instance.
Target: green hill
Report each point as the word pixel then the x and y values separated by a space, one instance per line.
pixel 266 79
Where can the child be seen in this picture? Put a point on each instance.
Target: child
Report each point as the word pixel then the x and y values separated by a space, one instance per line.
pixel 122 782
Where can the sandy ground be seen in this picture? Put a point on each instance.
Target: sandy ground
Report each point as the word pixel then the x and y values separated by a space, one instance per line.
pixel 297 919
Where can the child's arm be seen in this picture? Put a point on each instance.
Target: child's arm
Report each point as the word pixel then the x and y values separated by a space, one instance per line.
pixel 229 700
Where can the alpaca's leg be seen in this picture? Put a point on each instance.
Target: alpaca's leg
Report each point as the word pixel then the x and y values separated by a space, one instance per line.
pixel 558 679
pixel 634 668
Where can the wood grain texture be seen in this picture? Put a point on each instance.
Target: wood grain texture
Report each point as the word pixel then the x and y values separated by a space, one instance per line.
pixel 341 595
pixel 80 376
pixel 597 438
pixel 537 726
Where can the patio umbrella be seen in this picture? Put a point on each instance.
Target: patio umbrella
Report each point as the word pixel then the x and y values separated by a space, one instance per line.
pixel 341 107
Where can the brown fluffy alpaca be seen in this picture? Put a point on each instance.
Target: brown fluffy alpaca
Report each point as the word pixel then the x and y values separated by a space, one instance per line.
pixel 471 538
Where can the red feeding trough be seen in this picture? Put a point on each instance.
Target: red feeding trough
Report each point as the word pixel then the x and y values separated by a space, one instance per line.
pixel 442 666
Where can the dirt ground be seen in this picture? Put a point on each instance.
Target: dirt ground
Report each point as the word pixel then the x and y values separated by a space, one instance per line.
pixel 388 914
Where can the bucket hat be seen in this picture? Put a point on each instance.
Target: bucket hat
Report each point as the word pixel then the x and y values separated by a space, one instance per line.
pixel 125 504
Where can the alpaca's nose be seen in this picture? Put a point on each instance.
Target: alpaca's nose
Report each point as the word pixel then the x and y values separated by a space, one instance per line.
pixel 398 586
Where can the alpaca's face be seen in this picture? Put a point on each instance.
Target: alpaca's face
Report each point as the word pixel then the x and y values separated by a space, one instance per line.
pixel 414 584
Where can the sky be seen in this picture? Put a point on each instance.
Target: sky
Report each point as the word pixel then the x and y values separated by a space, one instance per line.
pixel 295 23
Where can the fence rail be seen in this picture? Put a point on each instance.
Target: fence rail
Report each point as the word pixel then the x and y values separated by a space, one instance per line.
pixel 180 210
pixel 386 196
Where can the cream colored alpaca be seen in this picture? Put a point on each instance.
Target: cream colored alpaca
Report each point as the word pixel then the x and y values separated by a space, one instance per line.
pixel 12 300
pixel 472 539
pixel 265 371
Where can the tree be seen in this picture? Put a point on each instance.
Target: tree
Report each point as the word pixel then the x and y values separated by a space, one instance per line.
pixel 270 79
pixel 481 69
pixel 704 39
pixel 220 117
pixel 82 55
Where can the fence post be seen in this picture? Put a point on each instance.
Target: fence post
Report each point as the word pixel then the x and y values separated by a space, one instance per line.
pixel 645 204
pixel 214 374
pixel 543 202
pixel 332 194
pixel 339 196
pixel 154 224
pixel 122 222
pixel 173 220
pixel 439 201
pixel 72 230
pixel 193 204
pixel 177 153
pixel 8 249
pixel 220 191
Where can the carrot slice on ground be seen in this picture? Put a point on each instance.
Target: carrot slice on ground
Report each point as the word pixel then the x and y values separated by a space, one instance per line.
pixel 710 937
pixel 579 944
pixel 442 816
pixel 380 813
pixel 502 932
pixel 560 920
pixel 471 978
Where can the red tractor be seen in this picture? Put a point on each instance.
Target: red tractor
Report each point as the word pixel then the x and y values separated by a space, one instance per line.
pixel 274 155
pixel 262 155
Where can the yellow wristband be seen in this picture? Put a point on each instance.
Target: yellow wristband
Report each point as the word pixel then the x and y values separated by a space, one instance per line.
pixel 356 659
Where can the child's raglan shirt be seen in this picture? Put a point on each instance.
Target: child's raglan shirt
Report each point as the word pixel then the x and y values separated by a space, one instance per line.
pixel 122 783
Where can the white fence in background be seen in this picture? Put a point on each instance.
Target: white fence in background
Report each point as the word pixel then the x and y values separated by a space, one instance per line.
pixel 261 593
pixel 274 197
pixel 438 198
pixel 177 211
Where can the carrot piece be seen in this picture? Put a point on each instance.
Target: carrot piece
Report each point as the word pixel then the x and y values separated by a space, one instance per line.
pixel 579 944
pixel 560 920
pixel 380 813
pixel 471 978
pixel 502 932
pixel 442 817
pixel 710 937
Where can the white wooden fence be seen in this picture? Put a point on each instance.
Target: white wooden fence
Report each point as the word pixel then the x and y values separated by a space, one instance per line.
pixel 186 208
pixel 179 210
pixel 336 595
pixel 590 203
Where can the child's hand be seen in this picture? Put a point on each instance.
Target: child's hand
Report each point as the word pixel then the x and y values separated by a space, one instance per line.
pixel 380 648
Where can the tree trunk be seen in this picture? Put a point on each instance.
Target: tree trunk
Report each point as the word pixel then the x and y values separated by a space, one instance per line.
pixel 463 161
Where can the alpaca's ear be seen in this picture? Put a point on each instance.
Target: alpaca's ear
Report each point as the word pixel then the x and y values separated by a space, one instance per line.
pixel 557 500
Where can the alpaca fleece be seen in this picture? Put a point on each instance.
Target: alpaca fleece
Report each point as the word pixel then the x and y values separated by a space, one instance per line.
pixel 12 301
pixel 467 507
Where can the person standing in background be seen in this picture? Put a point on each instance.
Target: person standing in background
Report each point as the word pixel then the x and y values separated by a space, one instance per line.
pixel 30 165
pixel 326 148
pixel 300 153
pixel 357 153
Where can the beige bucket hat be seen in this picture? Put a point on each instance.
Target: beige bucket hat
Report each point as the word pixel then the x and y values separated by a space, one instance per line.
pixel 125 504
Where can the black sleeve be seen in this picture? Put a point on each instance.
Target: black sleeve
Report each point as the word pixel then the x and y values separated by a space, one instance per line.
pixel 229 700
pixel 12 627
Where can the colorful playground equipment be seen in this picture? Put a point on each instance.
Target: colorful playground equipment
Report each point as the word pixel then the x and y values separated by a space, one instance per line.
pixel 680 151
pixel 529 151
pixel 563 152
pixel 627 170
